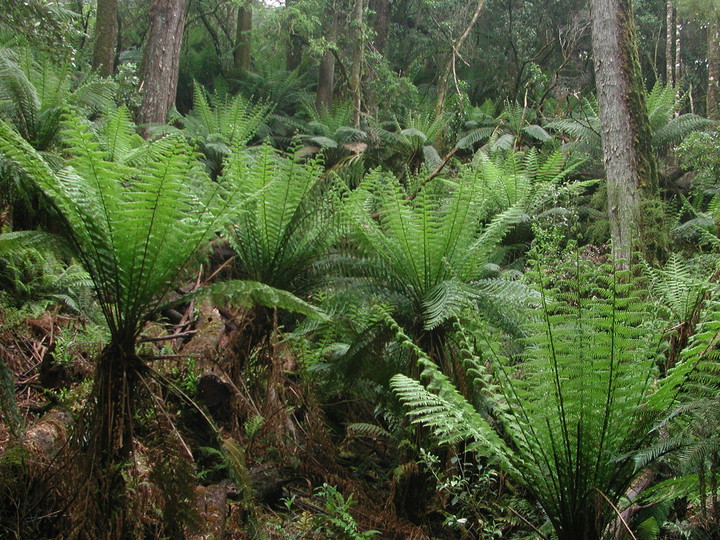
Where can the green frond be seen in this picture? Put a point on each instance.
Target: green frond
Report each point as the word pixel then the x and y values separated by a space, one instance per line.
pixel 238 293
pixel 368 430
pixel 292 223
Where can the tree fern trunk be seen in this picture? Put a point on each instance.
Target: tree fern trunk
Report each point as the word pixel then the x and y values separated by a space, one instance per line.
pixel 116 377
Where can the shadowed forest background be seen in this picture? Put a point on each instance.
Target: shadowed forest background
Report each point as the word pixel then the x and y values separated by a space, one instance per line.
pixel 352 269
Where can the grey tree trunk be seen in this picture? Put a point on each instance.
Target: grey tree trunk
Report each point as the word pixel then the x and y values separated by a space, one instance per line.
pixel 243 44
pixel 106 37
pixel 161 60
pixel 326 73
pixel 630 166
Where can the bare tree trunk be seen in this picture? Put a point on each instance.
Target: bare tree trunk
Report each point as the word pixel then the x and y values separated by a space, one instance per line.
pixel 629 163
pixel 326 73
pixel 161 60
pixel 106 37
pixel 713 54
pixel 669 42
pixel 358 58
pixel 243 44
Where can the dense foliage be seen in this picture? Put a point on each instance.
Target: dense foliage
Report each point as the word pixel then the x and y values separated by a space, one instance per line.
pixel 359 284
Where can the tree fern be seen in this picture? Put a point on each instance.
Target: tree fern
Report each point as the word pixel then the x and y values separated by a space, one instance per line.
pixel 572 410
pixel 290 225
pixel 135 228
pixel 429 258
pixel 217 125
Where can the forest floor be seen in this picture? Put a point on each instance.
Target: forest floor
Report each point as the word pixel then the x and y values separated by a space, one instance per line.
pixel 269 460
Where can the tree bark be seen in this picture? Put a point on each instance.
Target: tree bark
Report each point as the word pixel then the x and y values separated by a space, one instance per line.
pixel 106 37
pixel 243 43
pixel 630 166
pixel 326 73
pixel 358 58
pixel 161 60
pixel 713 54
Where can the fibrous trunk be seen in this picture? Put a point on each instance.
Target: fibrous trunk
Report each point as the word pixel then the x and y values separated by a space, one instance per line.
pixel 111 430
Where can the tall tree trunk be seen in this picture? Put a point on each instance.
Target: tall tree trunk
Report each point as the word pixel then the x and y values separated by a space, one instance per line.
pixel 669 42
pixel 713 54
pixel 106 37
pixel 326 73
pixel 161 60
pixel 243 44
pixel 630 166
pixel 358 57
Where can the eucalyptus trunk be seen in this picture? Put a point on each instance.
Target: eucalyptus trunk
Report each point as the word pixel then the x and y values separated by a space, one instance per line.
pixel 449 68
pixel 161 60
pixel 630 167
pixel 106 37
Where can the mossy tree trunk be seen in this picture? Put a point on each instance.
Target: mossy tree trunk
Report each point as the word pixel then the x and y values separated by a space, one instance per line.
pixel 294 46
pixel 106 37
pixel 634 208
